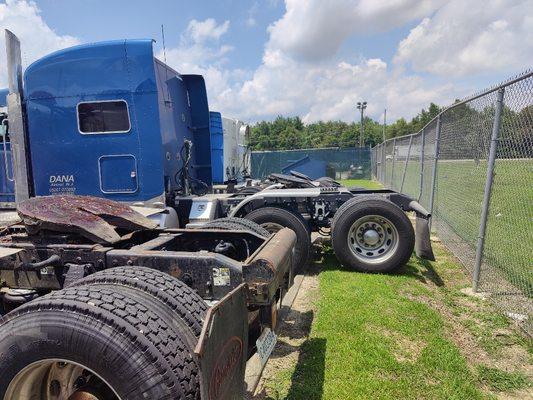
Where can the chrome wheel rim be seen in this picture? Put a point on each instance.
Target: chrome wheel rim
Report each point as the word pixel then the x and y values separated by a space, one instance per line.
pixel 57 379
pixel 373 239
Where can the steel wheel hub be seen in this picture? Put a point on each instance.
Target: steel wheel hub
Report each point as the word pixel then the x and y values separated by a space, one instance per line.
pixel 54 379
pixel 373 239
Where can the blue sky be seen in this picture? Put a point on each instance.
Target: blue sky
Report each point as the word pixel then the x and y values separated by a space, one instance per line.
pixel 140 19
pixel 312 58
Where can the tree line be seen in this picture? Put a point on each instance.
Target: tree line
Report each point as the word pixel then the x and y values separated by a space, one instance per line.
pixel 287 133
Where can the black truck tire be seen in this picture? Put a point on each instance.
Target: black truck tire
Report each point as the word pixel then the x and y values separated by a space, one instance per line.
pixel 230 223
pixel 118 340
pixel 274 218
pixel 183 300
pixel 371 234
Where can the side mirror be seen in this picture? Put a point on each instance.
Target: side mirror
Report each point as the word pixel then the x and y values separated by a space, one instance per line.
pixel 3 128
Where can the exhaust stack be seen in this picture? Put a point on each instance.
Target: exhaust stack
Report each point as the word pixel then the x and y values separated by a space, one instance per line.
pixel 16 118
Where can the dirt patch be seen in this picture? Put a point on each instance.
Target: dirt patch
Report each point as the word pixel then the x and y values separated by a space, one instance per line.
pixel 456 332
pixel 293 332
pixel 463 313
pixel 404 349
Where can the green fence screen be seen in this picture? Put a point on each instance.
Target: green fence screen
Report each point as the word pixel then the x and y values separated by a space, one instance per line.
pixel 337 163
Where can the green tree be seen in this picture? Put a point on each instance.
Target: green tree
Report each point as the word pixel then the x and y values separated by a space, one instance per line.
pixel 291 133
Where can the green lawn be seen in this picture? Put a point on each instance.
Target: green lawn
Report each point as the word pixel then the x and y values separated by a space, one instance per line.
pixel 361 183
pixel 458 203
pixel 415 334
pixel 392 337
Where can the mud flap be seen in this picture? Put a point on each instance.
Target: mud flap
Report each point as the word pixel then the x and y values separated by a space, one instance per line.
pixel 422 241
pixel 222 348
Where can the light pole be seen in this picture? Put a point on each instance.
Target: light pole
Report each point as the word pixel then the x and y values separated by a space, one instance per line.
pixel 384 124
pixel 361 106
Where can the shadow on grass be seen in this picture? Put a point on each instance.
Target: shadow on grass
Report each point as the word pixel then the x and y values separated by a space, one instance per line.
pixel 307 381
pixel 417 268
pixel 423 271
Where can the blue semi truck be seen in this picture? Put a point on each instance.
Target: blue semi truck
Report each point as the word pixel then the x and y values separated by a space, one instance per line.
pixel 114 109
pixel 110 120
pixel 124 114
pixel 97 301
pixel 88 286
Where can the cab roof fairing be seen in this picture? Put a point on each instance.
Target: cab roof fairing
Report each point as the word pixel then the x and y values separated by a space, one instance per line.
pixel 93 69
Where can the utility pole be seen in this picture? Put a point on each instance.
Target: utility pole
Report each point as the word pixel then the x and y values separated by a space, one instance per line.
pixel 384 124
pixel 361 105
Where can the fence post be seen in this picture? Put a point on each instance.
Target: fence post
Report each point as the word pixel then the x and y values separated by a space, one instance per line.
pixel 371 163
pixel 422 163
pixel 406 162
pixel 393 162
pixel 488 187
pixel 434 172
pixel 378 163
pixel 383 162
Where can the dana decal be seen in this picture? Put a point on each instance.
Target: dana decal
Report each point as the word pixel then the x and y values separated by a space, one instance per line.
pixel 62 184
pixel 61 178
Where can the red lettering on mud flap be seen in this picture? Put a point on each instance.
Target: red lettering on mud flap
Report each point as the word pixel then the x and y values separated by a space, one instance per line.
pixel 225 367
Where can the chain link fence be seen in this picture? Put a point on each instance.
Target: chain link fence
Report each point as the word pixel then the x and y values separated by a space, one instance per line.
pixel 472 167
pixel 335 162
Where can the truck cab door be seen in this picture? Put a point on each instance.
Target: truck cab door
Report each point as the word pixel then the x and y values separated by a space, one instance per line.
pixel 118 173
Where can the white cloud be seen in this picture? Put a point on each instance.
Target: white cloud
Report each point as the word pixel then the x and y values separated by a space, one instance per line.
pixel 195 54
pixel 312 30
pixel 329 91
pixel 252 12
pixel 468 37
pixel 200 31
pixel 37 39
pixel 298 76
pixel 301 72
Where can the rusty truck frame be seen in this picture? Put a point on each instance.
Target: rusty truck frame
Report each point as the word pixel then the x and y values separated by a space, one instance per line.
pixel 71 251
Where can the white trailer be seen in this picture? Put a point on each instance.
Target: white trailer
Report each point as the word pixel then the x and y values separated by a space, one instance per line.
pixel 237 160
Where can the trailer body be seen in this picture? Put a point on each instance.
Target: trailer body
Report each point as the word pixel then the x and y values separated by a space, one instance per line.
pixel 237 160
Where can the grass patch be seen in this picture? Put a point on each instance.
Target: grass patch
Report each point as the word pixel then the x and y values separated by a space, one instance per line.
pixel 364 183
pixel 370 340
pixel 383 345
pixel 410 335
pixel 500 381
pixel 459 196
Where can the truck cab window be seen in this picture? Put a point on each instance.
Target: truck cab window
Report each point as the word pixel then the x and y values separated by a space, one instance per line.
pixel 103 117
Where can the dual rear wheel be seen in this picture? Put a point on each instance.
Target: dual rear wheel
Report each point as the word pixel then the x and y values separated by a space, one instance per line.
pixel 123 333
pixel 369 233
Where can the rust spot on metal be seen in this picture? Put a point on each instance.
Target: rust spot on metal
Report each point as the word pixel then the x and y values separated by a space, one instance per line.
pixel 225 367
pixel 93 218
pixel 175 271
pixel 83 395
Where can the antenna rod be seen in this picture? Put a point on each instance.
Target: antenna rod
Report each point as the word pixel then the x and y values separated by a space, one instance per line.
pixel 164 47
